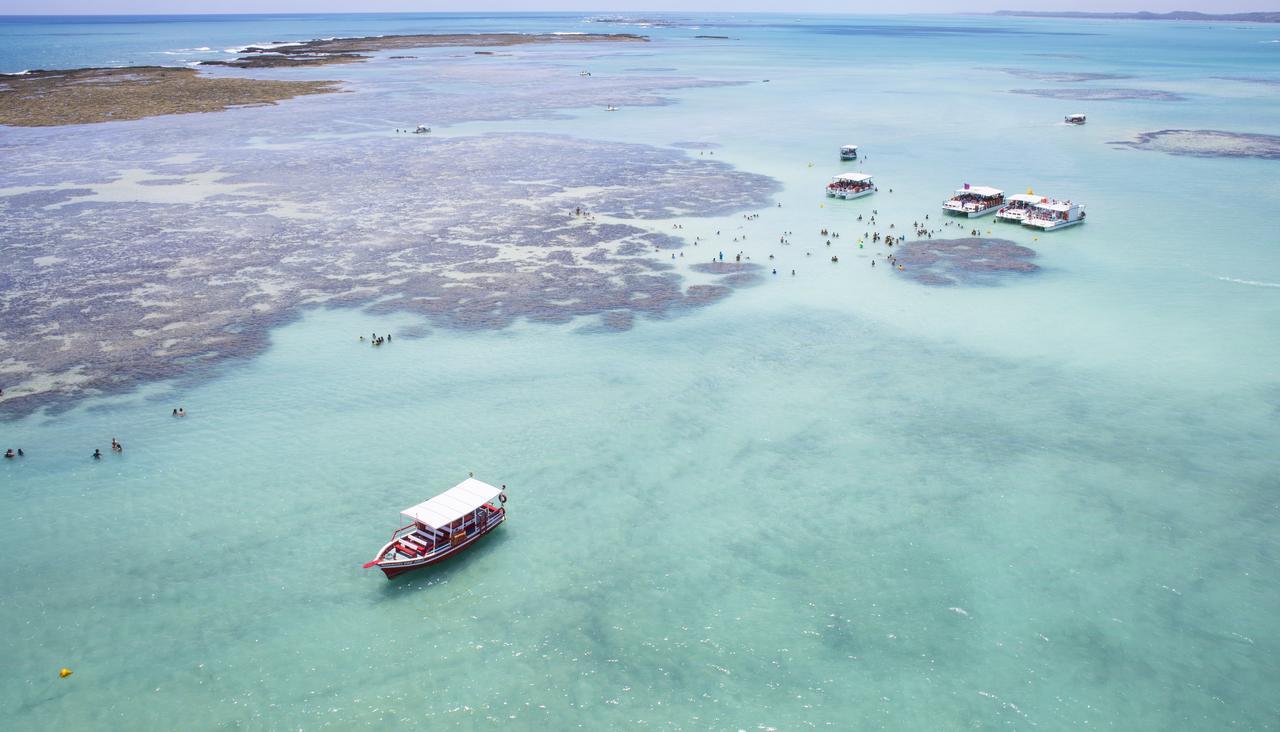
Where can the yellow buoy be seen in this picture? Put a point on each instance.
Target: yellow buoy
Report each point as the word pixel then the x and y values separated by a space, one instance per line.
pixel 64 673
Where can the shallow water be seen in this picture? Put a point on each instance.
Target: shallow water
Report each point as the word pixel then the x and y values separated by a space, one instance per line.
pixel 839 498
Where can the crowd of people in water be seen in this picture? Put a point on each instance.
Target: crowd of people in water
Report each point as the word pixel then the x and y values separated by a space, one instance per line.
pixel 377 340
pixel 888 235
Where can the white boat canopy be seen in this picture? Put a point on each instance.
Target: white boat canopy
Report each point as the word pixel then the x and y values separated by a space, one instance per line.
pixel 1027 198
pixel 848 147
pixel 453 504
pixel 984 191
pixel 853 177
pixel 1055 205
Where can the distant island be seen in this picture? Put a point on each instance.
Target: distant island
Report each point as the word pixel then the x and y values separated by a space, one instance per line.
pixel 1273 17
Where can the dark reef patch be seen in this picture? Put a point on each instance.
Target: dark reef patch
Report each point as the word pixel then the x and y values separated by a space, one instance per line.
pixel 724 268
pixel 1207 144
pixel 1060 76
pixel 1250 80
pixel 968 261
pixel 1103 95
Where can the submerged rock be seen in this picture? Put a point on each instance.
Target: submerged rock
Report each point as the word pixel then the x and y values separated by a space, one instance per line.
pixel 1207 144
pixel 1103 95
pixel 968 261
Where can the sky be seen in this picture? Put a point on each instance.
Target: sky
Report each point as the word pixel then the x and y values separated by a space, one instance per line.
pixel 111 7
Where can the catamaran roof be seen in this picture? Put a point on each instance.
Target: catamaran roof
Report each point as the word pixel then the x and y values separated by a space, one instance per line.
pixel 848 147
pixel 1075 115
pixel 981 191
pixel 453 504
pixel 1027 198
pixel 1056 205
pixel 854 177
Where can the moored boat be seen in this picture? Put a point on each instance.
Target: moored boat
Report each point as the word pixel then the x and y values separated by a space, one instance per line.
pixel 442 526
pixel 973 201
pixel 1018 207
pixel 1074 119
pixel 1053 215
pixel 848 152
pixel 851 185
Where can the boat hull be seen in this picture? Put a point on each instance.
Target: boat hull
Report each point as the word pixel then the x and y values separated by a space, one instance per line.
pixel 971 214
pixel 398 568
pixel 1052 225
pixel 859 194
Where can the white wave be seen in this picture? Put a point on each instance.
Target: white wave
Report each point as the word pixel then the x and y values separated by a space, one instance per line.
pixel 1251 283
pixel 959 611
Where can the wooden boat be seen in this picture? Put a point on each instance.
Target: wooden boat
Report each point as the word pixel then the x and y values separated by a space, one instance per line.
pixel 442 526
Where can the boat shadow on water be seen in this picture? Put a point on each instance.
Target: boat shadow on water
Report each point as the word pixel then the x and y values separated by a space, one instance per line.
pixel 488 549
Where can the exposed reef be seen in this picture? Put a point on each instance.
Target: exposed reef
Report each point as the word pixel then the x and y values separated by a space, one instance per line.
pixel 1207 144
pixel 1103 95
pixel 349 50
pixel 968 261
pixel 85 96
pixel 103 295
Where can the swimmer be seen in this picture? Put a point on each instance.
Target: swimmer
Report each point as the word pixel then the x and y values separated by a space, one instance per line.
pixel 9 453
pixel 175 411
pixel 97 454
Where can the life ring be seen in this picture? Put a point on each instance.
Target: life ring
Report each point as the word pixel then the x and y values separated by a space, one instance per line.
pixel 502 498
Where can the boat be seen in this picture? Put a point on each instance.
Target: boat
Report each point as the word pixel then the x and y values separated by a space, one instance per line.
pixel 1018 207
pixel 442 526
pixel 1054 215
pixel 851 185
pixel 422 130
pixel 610 108
pixel 1074 119
pixel 974 201
pixel 584 73
pixel 848 152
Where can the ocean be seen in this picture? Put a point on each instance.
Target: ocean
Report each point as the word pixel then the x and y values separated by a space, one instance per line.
pixel 970 493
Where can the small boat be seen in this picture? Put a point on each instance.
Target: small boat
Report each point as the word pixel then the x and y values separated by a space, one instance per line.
pixel 1074 119
pixel 1054 215
pixel 610 108
pixel 422 130
pixel 441 527
pixel 974 201
pixel 851 185
pixel 848 152
pixel 1018 207
pixel 584 73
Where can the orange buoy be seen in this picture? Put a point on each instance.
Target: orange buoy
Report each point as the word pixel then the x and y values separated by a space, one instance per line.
pixel 64 673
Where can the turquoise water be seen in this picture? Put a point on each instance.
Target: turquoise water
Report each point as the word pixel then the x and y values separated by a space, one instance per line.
pixel 842 499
